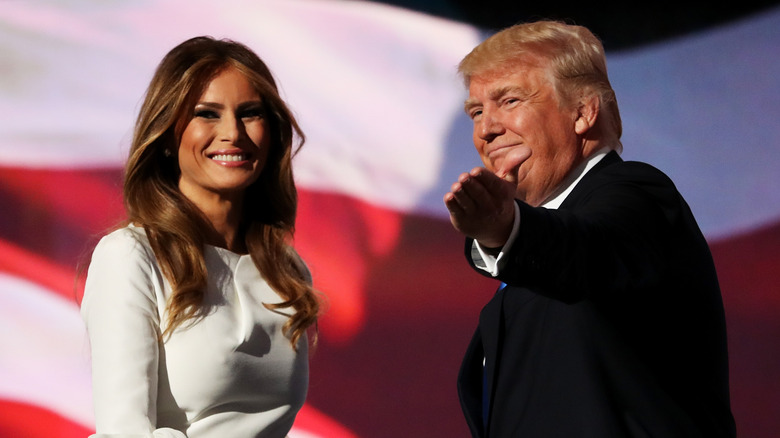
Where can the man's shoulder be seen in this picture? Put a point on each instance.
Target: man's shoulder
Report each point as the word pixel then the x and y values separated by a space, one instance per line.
pixel 618 179
pixel 627 171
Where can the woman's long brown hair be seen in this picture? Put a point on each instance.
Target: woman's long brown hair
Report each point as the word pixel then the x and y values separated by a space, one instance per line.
pixel 174 225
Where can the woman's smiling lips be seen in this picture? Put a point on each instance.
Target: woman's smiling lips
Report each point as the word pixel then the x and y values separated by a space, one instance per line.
pixel 230 159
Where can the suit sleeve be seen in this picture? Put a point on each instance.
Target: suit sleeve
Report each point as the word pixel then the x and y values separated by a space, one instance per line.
pixel 616 237
pixel 121 314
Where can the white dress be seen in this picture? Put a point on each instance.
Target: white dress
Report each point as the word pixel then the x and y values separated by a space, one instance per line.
pixel 230 374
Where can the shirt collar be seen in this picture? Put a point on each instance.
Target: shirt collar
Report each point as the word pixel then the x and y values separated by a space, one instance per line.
pixel 573 178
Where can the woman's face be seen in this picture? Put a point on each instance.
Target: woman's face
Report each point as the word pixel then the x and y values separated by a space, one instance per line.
pixel 224 146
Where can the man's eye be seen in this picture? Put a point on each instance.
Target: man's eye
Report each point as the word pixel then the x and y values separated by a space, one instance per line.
pixel 206 114
pixel 474 114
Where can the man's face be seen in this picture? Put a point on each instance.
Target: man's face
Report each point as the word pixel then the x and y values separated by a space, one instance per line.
pixel 522 132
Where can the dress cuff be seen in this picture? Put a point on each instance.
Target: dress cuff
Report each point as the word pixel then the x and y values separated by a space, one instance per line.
pixel 165 432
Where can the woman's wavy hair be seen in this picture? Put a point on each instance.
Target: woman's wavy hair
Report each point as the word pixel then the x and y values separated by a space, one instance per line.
pixel 174 225
pixel 576 57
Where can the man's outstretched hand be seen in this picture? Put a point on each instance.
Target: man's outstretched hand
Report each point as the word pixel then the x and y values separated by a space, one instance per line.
pixel 481 206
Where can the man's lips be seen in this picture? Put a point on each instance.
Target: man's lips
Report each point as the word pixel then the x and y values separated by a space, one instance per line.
pixel 509 160
pixel 496 150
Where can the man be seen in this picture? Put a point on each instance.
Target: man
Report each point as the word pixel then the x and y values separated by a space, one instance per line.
pixel 611 322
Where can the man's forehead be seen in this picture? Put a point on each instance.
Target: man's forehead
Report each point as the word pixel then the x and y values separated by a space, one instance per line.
pixel 494 74
pixel 493 83
pixel 494 78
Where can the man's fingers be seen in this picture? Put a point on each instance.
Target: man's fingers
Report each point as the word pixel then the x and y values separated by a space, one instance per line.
pixel 459 217
pixel 495 188
pixel 452 204
pixel 470 192
pixel 460 198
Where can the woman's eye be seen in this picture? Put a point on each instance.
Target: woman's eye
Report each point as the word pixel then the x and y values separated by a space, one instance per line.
pixel 252 113
pixel 206 114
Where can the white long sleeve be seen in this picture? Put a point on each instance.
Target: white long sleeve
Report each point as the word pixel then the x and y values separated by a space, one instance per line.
pixel 123 320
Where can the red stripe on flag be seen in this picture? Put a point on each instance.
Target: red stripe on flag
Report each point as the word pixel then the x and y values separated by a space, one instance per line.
pixel 315 422
pixel 748 270
pixel 341 238
pixel 83 199
pixel 21 263
pixel 19 420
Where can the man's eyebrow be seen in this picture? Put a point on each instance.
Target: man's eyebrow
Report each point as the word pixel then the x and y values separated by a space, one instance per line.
pixel 496 94
pixel 500 92
pixel 470 103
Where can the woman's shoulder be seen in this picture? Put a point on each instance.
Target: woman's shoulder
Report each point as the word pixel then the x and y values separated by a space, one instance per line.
pixel 122 269
pixel 128 241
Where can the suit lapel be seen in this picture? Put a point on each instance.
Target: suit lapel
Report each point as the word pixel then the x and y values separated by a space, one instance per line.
pixel 611 158
pixel 491 327
pixel 470 385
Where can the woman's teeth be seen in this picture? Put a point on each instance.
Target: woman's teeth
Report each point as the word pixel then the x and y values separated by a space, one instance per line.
pixel 239 157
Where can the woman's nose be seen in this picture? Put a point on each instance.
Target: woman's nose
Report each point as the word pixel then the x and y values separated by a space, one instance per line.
pixel 230 129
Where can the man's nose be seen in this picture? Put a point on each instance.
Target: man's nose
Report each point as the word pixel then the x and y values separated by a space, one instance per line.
pixel 489 127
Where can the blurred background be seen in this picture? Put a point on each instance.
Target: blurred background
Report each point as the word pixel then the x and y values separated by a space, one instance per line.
pixel 374 87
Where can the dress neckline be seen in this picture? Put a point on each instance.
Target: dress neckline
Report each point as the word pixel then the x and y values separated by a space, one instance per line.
pixel 226 251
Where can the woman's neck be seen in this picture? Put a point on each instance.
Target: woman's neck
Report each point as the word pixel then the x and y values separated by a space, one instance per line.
pixel 224 220
pixel 225 232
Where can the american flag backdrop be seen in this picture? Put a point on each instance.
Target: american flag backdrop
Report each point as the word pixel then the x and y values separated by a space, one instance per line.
pixel 374 87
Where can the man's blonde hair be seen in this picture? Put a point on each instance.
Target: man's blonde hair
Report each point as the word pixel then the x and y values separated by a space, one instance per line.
pixel 573 53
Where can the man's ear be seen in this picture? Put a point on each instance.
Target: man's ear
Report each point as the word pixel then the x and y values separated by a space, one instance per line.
pixel 587 113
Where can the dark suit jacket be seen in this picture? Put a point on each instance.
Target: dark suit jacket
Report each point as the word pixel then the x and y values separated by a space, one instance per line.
pixel 612 323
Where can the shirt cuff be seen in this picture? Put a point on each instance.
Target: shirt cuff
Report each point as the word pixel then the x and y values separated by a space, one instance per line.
pixel 488 262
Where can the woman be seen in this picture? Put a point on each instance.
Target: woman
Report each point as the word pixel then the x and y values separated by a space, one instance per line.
pixel 197 309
